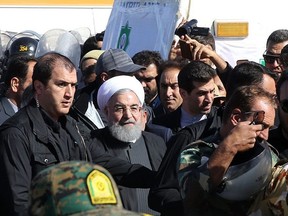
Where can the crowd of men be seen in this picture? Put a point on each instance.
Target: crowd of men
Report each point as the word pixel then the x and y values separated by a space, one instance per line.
pixel 179 136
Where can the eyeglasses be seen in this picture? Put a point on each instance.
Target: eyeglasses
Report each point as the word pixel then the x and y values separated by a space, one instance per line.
pixel 284 105
pixel 258 117
pixel 270 58
pixel 134 109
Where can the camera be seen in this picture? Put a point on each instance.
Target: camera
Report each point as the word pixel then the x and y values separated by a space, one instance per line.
pixel 190 28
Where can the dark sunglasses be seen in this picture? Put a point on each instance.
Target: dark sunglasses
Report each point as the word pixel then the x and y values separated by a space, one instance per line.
pixel 284 105
pixel 258 117
pixel 269 58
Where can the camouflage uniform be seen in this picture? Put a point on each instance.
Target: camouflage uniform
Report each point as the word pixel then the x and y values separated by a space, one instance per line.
pixel 273 200
pixel 75 188
pixel 201 199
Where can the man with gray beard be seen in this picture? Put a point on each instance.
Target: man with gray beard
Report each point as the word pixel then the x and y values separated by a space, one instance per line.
pixel 122 130
pixel 121 98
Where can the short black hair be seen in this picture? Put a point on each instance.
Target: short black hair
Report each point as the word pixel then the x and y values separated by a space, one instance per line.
pixel 46 64
pixel 17 67
pixel 243 98
pixel 100 36
pixel 247 73
pixel 195 71
pixel 147 57
pixel 278 36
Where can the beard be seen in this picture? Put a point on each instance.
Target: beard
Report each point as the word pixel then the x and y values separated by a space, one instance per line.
pixel 150 94
pixel 125 133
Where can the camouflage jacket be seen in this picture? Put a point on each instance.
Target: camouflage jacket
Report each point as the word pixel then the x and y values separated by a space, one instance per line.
pixel 198 195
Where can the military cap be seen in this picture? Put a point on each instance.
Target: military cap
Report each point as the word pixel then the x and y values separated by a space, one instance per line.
pixel 75 188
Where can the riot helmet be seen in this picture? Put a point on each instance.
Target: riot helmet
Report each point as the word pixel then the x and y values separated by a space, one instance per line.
pixel 248 173
pixel 23 46
pixel 244 179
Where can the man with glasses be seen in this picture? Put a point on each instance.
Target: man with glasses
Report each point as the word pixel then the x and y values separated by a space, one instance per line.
pixel 85 110
pixel 278 137
pixel 41 135
pixel 165 197
pixel 226 173
pixel 121 98
pixel 275 43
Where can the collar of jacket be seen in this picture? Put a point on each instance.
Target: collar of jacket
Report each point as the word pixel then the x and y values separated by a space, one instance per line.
pixel 37 123
pixel 7 107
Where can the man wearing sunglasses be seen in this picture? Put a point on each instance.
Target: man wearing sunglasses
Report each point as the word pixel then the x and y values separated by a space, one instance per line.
pixel 279 137
pixel 275 42
pixel 166 194
pixel 225 173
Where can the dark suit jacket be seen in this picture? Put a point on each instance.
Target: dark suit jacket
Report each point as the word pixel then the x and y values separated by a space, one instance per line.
pixel 6 110
pixel 156 149
pixel 173 120
pixel 170 120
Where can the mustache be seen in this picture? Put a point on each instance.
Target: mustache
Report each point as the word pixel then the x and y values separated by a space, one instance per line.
pixel 127 122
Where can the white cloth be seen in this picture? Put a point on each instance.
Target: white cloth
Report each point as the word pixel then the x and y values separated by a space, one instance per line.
pixel 142 25
pixel 114 84
pixel 15 108
pixel 93 114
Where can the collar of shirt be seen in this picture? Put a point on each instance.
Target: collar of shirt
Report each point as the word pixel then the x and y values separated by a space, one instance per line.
pixel 14 107
pixel 187 119
pixel 55 126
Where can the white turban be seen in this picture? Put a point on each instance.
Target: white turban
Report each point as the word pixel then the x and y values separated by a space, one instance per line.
pixel 114 84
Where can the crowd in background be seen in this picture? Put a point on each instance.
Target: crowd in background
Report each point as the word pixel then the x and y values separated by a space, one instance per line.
pixel 184 134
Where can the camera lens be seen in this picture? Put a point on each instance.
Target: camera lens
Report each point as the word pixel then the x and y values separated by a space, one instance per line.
pixel 186 28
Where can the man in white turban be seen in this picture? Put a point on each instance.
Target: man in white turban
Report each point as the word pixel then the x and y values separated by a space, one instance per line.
pixel 121 98
pixel 85 109
pixel 111 86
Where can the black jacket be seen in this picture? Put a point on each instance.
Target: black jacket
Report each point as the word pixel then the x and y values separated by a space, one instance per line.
pixel 27 146
pixel 165 196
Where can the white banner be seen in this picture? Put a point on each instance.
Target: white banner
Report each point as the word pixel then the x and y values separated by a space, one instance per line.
pixel 142 25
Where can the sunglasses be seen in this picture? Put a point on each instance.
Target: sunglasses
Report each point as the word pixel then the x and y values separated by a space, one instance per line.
pixel 284 105
pixel 258 117
pixel 269 58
